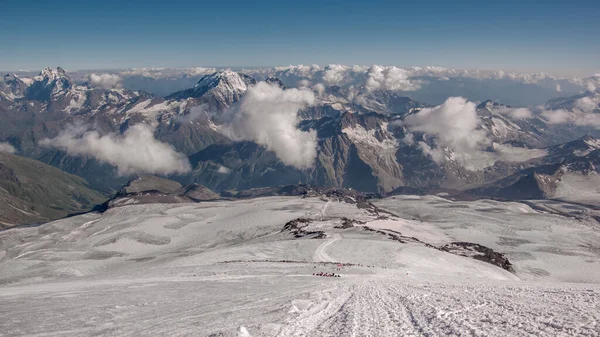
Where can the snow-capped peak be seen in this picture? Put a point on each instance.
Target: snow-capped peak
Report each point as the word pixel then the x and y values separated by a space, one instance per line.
pixel 225 86
pixel 490 105
pixel 49 83
pixel 10 77
pixel 15 86
pixel 226 80
pixel 274 81
pixel 53 74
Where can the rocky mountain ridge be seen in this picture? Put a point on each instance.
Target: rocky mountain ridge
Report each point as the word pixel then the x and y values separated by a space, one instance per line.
pixel 360 145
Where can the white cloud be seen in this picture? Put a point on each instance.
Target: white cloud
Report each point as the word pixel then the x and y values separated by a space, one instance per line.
pixel 591 83
pixel 409 139
pixel 559 116
pixel 299 70
pixel 200 112
pixel 136 151
pixel 455 126
pixel 515 113
pixel 223 170
pixel 335 73
pixel 347 75
pixel 584 113
pixel 576 117
pixel 588 104
pixel 163 73
pixel 498 74
pixel 303 83
pixel 268 115
pixel 7 148
pixel 389 78
pixel 106 81
pixel 516 154
pixel 452 131
pixel 319 88
pixel 195 71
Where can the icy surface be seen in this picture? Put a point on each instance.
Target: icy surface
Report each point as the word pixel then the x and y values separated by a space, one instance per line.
pixel 230 269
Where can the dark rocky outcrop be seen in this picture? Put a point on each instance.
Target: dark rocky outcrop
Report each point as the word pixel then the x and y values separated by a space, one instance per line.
pixel 297 228
pixel 478 252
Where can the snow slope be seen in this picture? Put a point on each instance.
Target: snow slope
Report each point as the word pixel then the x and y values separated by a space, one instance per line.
pixel 542 246
pixel 229 268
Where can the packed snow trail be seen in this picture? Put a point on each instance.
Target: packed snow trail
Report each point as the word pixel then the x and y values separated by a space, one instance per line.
pixel 323 211
pixel 391 306
pixel 320 254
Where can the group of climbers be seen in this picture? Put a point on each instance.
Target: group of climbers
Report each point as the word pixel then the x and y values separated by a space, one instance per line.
pixel 326 274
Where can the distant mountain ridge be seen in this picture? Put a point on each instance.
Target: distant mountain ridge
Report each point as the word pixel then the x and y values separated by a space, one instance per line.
pixel 360 143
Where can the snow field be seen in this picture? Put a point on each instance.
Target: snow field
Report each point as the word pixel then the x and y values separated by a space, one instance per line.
pixel 228 269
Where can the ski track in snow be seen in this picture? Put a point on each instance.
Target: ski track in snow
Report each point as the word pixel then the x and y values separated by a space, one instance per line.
pixel 320 254
pixel 211 269
pixel 390 306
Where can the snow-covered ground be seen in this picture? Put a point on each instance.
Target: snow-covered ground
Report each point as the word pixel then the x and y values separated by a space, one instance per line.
pixel 542 246
pixel 229 268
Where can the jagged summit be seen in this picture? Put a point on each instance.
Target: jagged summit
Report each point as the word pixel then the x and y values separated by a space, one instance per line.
pixel 49 83
pixel 225 87
pixel 53 74
pixel 226 80
pixel 10 77
pixel 490 105
pixel 577 148
pixel 587 141
pixel 274 81
pixel 15 86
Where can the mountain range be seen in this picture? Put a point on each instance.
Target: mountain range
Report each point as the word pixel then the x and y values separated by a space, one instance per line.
pixel 366 139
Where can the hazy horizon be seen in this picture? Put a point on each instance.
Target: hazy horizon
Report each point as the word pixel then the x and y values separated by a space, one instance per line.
pixel 525 36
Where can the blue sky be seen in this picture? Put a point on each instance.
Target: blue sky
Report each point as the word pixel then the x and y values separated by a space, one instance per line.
pixel 561 37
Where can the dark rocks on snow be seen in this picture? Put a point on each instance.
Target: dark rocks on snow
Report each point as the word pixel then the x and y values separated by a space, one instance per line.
pixel 478 252
pixel 297 226
pixel 466 249
pixel 348 223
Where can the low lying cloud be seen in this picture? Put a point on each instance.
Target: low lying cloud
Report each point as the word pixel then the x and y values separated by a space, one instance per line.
pixel 516 154
pixel 515 113
pixel 268 115
pixel 164 73
pixel 106 81
pixel 452 131
pixel 319 88
pixel 7 148
pixel 335 73
pixel 592 83
pixel 586 112
pixel 588 104
pixel 371 78
pixel 303 83
pixel 455 126
pixel 575 117
pixel 135 151
pixel 389 78
pixel 199 112
pixel 560 116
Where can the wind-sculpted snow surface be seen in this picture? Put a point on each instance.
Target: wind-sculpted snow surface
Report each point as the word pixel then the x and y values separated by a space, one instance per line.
pixel 237 268
pixel 387 306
